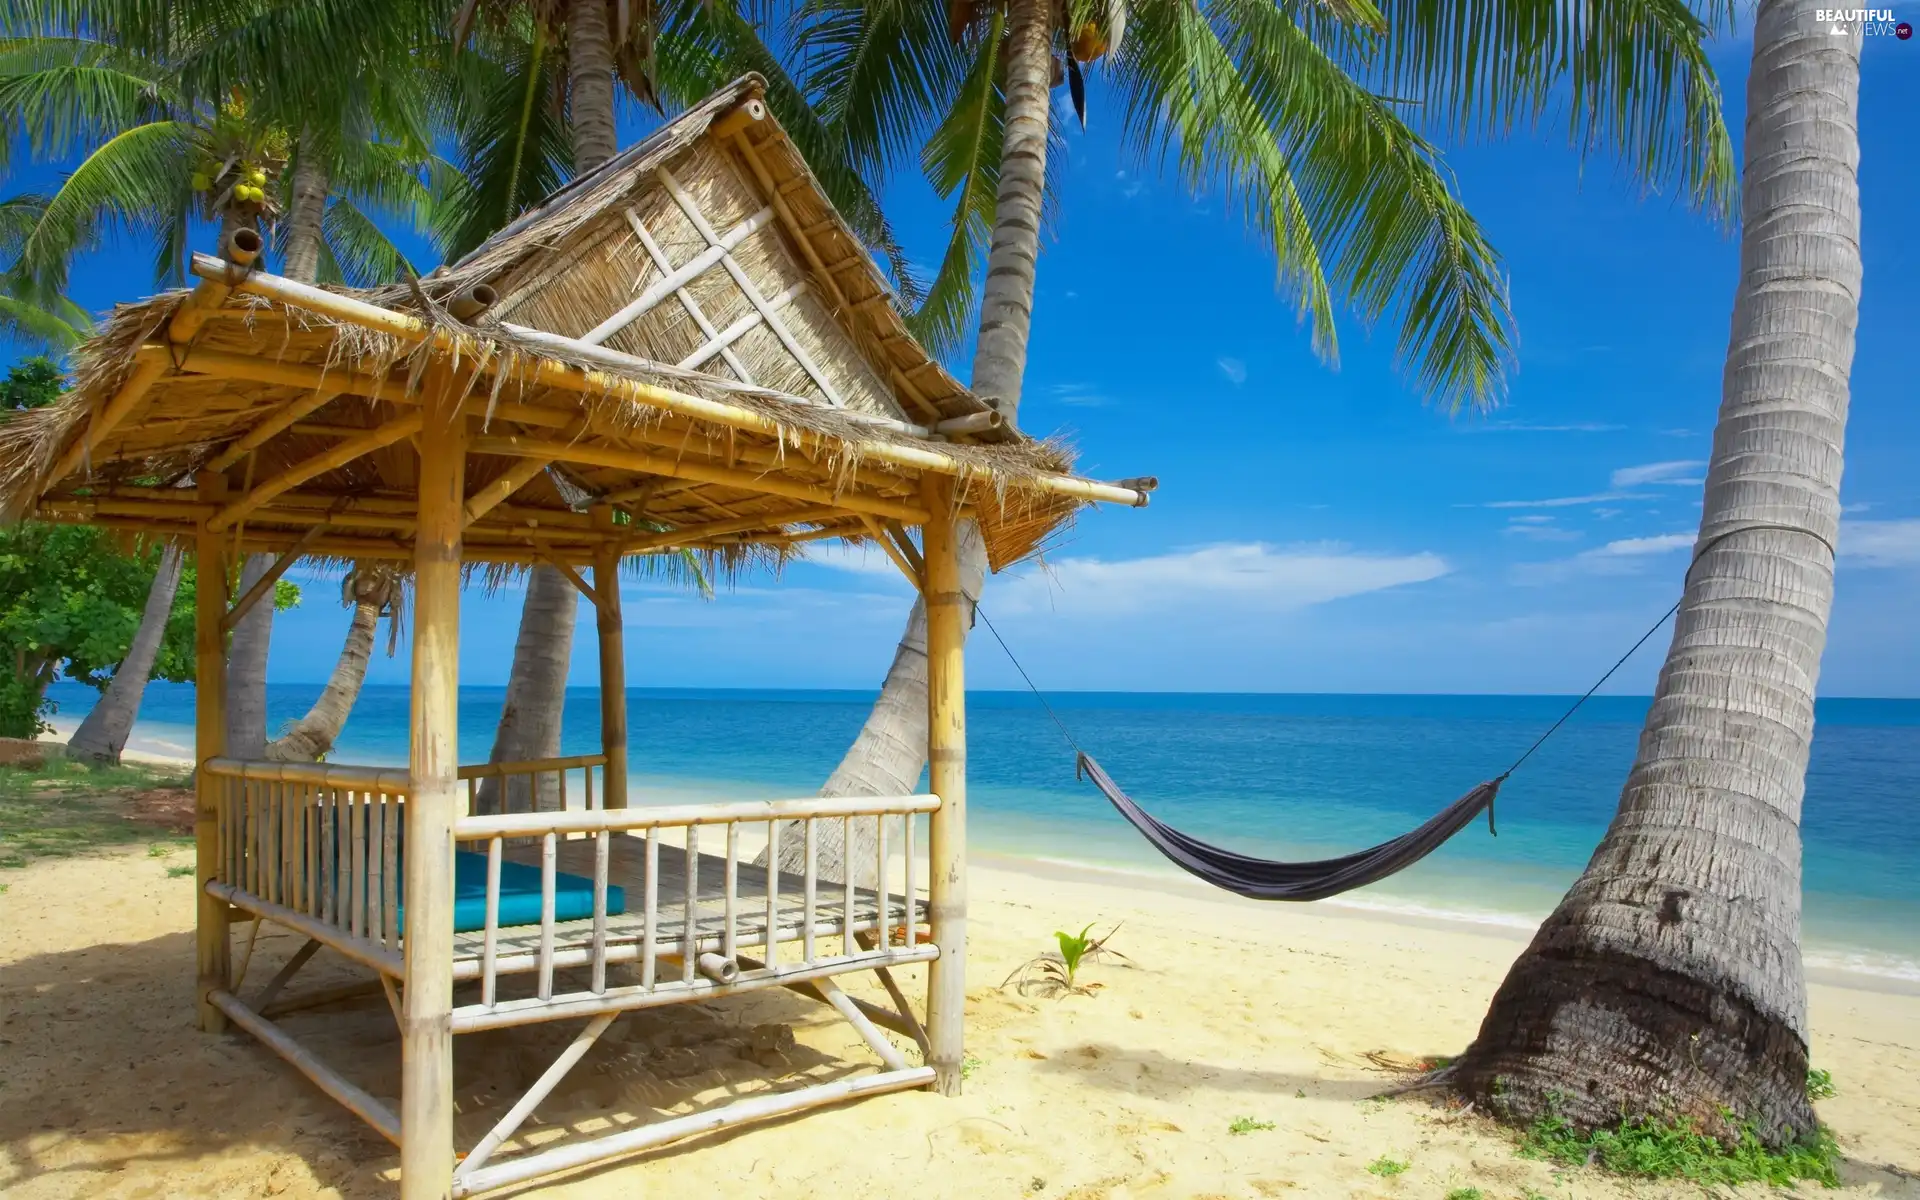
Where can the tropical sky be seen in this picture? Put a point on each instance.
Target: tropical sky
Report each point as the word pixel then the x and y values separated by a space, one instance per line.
pixel 1323 528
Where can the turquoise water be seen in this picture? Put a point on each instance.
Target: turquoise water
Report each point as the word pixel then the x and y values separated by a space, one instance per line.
pixel 1276 775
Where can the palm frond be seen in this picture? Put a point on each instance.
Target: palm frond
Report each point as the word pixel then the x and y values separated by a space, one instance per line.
pixel 135 181
pixel 1351 199
pixel 879 73
pixel 58 94
pixel 29 325
pixel 362 253
pixel 1627 76
pixel 961 161
pixel 512 148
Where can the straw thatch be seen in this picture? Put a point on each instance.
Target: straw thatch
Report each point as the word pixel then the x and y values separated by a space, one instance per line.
pixel 825 436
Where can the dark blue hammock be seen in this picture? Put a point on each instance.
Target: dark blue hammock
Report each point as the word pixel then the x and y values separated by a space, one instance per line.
pixel 1267 879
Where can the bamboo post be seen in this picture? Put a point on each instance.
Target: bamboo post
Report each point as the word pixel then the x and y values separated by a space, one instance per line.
pixel 212 953
pixel 426 1016
pixel 947 765
pixel 613 669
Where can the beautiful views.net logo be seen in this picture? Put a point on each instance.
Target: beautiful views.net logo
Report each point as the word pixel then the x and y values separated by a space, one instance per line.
pixel 1872 22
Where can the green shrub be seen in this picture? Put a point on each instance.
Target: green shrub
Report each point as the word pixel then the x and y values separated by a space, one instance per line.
pixel 1652 1149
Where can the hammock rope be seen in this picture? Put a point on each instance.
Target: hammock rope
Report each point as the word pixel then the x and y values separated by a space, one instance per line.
pixel 1273 879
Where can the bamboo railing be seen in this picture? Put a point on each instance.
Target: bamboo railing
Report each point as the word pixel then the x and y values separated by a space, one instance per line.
pixel 696 934
pixel 563 771
pixel 316 847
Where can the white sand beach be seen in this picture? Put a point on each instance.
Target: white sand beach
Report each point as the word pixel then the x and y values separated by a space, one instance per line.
pixel 1230 1010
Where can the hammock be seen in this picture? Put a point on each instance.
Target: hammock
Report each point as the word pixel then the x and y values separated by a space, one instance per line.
pixel 1267 879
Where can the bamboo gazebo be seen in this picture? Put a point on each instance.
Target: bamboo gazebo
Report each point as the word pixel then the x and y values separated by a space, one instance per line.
pixel 684 349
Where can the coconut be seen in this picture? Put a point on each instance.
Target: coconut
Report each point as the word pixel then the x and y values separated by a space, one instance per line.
pixel 1090 43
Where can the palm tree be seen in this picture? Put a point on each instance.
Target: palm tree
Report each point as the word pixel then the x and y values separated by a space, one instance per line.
pixel 104 732
pixel 155 153
pixel 1294 112
pixel 1668 982
pixel 370 590
pixel 511 115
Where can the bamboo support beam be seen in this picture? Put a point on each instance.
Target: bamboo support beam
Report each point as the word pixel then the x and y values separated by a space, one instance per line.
pixel 695 267
pixel 433 804
pixel 350 1096
pixel 660 464
pixel 212 948
pixel 531 1010
pixel 573 577
pixel 265 583
pixel 149 363
pixel 541 1089
pixel 947 613
pixel 288 478
pixel 551 373
pixel 285 974
pixel 611 628
pixel 881 536
pixel 280 420
pixel 361 950
pixel 321 997
pixel 660 1133
pixel 695 533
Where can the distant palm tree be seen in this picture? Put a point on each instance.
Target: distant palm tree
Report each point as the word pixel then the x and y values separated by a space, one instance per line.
pixel 1669 980
pixel 1309 118
pixel 164 136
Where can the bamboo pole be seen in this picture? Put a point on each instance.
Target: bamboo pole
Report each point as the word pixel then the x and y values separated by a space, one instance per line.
pixel 694 311
pixel 326 1078
pixel 947 764
pixel 531 1010
pixel 697 266
pixel 426 1032
pixel 360 950
pixel 613 676
pixel 542 1087
pixel 533 824
pixel 148 366
pixel 767 483
pixel 490 951
pixel 659 1133
pixel 212 951
pixel 290 477
pixel 277 422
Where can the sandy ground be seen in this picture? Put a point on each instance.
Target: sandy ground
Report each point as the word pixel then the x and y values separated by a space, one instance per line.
pixel 1232 1010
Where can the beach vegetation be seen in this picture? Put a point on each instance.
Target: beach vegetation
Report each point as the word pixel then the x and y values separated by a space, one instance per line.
pixel 68 808
pixel 1057 972
pixel 1651 1148
pixel 1466 1193
pixel 1249 1125
pixel 1820 1084
pixel 1387 1166
pixel 1720 893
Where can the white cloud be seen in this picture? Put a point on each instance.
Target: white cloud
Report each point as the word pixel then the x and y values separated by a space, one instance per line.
pixel 1235 575
pixel 1234 370
pixel 1079 395
pixel 863 559
pixel 1881 543
pixel 1539 528
pixel 1680 472
pixel 1634 547
pixel 1567 501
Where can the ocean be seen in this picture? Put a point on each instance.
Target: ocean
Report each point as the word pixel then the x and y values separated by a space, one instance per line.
pixel 1283 776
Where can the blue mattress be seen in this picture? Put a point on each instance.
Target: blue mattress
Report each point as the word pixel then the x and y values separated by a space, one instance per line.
pixel 520 894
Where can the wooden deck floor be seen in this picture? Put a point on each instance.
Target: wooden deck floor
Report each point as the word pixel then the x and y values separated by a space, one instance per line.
pixel 626 868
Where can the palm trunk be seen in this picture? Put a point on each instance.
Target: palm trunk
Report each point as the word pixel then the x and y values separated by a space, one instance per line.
pixel 891 750
pixel 1669 980
pixel 247 667
pixel 103 735
pixel 307 739
pixel 590 83
pixel 537 683
pixel 305 214
pixel 530 721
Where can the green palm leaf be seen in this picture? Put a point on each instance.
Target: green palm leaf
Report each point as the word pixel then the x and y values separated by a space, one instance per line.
pixel 962 162
pixel 357 250
pixel 134 182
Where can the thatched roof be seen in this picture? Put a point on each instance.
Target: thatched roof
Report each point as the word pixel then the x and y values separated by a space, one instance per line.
pixel 686 346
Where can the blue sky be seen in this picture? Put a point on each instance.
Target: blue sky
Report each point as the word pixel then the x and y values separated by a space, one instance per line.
pixel 1322 529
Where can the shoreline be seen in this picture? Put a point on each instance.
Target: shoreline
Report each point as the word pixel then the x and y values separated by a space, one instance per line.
pixel 1895 977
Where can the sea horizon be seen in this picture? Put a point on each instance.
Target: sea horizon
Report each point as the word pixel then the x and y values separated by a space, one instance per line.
pixel 1285 775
